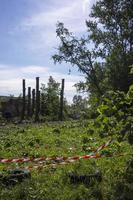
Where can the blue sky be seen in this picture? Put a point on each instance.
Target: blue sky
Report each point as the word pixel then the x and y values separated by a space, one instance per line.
pixel 28 40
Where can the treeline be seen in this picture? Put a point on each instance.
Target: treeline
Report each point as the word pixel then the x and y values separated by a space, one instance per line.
pixel 54 106
pixel 45 103
pixel 105 53
pixel 50 103
pixel 105 56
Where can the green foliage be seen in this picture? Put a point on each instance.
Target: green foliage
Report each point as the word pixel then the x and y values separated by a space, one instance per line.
pixel 112 35
pixel 115 115
pixel 50 99
pixel 105 54
pixel 79 108
pixel 64 139
pixel 75 51
pixel 124 187
pixel 111 115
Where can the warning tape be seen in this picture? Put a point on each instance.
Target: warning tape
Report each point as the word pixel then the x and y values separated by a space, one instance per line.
pixel 43 164
pixel 103 146
pixel 62 158
pixel 54 165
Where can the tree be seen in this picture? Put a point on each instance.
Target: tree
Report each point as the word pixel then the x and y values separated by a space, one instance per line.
pixel 75 51
pixel 50 99
pixel 112 34
pixel 79 107
pixel 104 56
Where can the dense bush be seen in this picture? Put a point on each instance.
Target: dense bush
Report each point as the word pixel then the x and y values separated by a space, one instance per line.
pixel 115 115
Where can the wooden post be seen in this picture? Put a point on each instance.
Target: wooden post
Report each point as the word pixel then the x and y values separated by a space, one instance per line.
pixel 39 96
pixel 37 100
pixel 33 101
pixel 29 102
pixel 23 102
pixel 62 100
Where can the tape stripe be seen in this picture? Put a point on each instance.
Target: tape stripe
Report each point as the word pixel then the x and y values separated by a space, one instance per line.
pixel 20 160
pixel 103 146
pixel 41 166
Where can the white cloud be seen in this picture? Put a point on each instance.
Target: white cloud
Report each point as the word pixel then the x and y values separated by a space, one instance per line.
pixel 40 27
pixel 34 69
pixel 36 35
pixel 68 13
pixel 87 4
pixel 84 5
pixel 9 71
pixel 11 79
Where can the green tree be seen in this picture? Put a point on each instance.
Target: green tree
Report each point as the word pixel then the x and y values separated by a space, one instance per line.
pixel 105 54
pixel 50 99
pixel 112 34
pixel 79 107
pixel 75 51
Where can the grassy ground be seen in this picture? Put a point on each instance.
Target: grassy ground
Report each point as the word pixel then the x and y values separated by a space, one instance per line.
pixel 62 139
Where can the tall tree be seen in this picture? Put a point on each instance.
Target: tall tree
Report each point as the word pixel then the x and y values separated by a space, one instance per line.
pixel 105 55
pixel 79 107
pixel 112 34
pixel 50 99
pixel 75 51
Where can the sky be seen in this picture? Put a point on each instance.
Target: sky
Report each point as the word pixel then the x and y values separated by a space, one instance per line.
pixel 28 41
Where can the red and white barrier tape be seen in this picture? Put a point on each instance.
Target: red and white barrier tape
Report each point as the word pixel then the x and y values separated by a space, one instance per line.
pixel 103 146
pixel 62 158
pixel 54 165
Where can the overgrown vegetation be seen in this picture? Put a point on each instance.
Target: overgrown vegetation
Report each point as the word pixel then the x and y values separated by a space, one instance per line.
pixel 65 139
pixel 105 57
pixel 105 54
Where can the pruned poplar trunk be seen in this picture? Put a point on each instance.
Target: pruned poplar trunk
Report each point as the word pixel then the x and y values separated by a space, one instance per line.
pixel 33 101
pixel 37 100
pixel 39 105
pixel 62 100
pixel 23 100
pixel 29 103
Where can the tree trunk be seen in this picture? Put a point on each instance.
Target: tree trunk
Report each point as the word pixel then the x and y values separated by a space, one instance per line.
pixel 37 100
pixel 29 103
pixel 24 102
pixel 33 101
pixel 62 100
